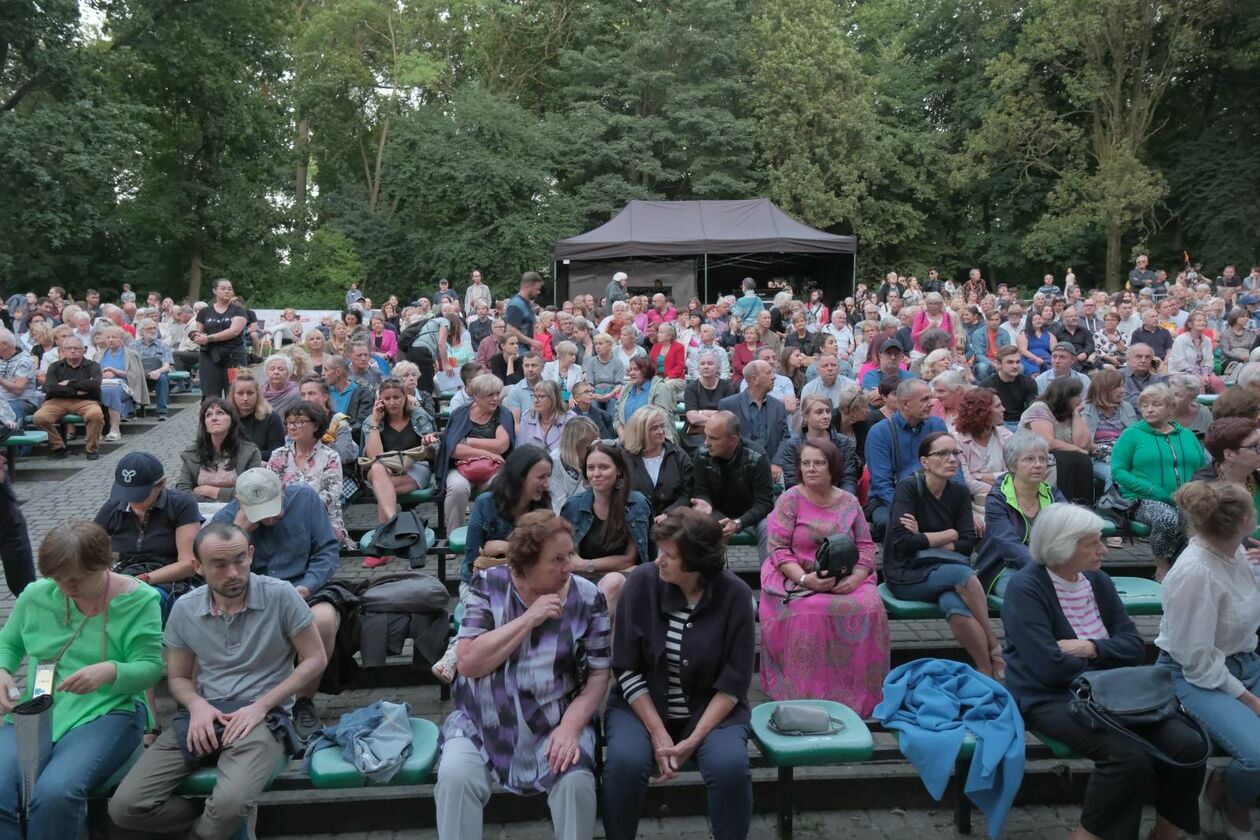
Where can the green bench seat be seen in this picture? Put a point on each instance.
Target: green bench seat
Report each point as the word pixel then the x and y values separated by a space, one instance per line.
pixel 743 538
pixel 898 608
pixel 67 420
pixel 30 437
pixel 1140 596
pixel 329 771
pixel 852 744
pixel 178 375
pixel 365 541
pixel 457 540
pixel 1207 399
pixel 200 782
pixel 419 496
pixel 1139 529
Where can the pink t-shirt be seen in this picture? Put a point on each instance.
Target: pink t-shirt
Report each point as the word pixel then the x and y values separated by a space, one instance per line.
pixel 1080 607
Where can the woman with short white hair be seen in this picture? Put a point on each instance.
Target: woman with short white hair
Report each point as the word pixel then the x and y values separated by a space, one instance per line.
pixel 279 389
pixel 1187 410
pixel 565 370
pixel 1063 618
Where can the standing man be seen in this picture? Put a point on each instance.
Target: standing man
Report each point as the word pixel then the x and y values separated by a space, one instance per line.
pixel 445 293
pixel 616 289
pixel 520 318
pixel 749 306
pixel 230 646
pixel 1140 276
pixel 478 291
pixel 72 386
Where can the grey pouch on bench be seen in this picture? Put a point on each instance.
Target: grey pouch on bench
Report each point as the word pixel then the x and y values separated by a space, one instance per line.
pixel 804 719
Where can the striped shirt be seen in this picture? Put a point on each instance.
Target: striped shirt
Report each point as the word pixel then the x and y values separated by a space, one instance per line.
pixel 1080 607
pixel 634 686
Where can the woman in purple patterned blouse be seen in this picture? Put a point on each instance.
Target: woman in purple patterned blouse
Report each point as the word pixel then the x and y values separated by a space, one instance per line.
pixel 532 633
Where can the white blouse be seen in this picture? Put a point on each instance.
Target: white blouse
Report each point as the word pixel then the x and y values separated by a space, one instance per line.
pixel 1211 611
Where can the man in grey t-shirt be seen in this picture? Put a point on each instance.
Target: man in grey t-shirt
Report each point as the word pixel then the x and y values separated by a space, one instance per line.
pixel 229 660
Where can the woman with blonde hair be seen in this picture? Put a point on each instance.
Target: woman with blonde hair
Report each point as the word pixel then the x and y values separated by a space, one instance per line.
pixel 314 342
pixel 657 467
pixel 299 359
pixel 567 476
pixel 1107 413
pixel 259 422
pixel 338 338
pixel 604 370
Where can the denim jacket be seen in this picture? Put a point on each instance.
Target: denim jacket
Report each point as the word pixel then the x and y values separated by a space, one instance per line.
pixel 580 512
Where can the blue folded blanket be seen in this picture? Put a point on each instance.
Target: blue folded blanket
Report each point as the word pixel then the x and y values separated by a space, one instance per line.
pixel 933 704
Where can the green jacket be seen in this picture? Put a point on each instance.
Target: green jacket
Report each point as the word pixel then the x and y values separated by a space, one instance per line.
pixel 1149 465
pixel 37 629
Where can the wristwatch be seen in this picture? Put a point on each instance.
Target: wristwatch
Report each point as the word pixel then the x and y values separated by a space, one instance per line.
pixel 801 582
pixel 590 567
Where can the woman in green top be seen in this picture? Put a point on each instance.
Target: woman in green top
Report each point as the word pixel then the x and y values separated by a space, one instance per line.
pixel 104 633
pixel 1149 461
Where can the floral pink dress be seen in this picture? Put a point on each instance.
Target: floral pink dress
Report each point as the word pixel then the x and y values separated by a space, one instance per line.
pixel 822 646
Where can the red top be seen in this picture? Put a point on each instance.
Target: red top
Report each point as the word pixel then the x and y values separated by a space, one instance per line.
pixel 675 360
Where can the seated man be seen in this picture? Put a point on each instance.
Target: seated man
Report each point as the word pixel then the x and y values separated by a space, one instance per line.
pixel 983 344
pixel 229 660
pixel 892 449
pixel 293 540
pixel 1138 372
pixel 732 480
pixel 18 384
pixel 347 396
pixel 363 368
pixel 72 386
pixel 157 361
pixel 762 418
pixel 1061 360
pixel 519 398
pixel 467 373
pixel 1014 388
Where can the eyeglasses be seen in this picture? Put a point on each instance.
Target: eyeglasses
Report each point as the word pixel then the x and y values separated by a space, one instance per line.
pixel 297 422
pixel 1034 459
pixel 1254 447
pixel 947 453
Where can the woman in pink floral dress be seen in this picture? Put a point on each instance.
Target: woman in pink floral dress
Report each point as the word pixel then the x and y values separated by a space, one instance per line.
pixel 830 640
pixel 305 459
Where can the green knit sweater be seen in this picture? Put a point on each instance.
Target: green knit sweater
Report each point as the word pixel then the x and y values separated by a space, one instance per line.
pixel 37 628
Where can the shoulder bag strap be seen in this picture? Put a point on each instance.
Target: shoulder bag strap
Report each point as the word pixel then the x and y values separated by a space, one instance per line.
pixel 1105 719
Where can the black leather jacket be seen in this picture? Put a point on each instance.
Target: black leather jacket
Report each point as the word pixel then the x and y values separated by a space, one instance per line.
pixel 737 487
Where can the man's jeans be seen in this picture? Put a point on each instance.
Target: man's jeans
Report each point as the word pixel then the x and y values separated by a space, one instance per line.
pixel 162 388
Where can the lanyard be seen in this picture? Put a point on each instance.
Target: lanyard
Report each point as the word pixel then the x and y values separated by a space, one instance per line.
pixel 78 630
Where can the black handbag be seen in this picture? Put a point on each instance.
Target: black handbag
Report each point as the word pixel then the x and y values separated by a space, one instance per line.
pixel 803 719
pixel 1114 699
pixel 836 557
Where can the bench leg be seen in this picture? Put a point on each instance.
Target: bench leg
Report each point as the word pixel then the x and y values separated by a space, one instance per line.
pixel 785 803
pixel 962 804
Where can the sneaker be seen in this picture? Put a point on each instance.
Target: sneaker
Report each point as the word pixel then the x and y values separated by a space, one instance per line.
pixel 161 418
pixel 444 668
pixel 374 562
pixel 59 454
pixel 305 719
pixel 94 456
pixel 113 437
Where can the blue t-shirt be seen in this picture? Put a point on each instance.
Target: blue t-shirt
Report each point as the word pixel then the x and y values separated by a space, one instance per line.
pixel 872 377
pixel 520 314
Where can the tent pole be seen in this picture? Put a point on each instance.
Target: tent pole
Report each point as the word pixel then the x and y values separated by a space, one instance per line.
pixel 706 278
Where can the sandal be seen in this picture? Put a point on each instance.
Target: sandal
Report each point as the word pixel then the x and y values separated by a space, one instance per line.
pixel 998 663
pixel 444 668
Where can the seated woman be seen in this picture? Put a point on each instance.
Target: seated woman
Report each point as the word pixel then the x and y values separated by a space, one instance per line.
pixel 610 521
pixel 279 388
pixel 382 340
pixel 260 424
pixel 1017 498
pixel 122 380
pixel 702 395
pixel 397 424
pixel 1063 618
pixel 531 631
pixel 821 637
pixel 315 344
pixel 565 370
pixel 151 527
pixel 338 434
pixel 1057 418
pixel 476 434
pixel 1149 461
pixel 583 404
pixel 932 513
pixel 506 364
pixel 1236 341
pixel 658 468
pixel 628 346
pixel 522 485
pixel 542 424
pixel 981 436
pixel 816 425
pixel 1192 353
pixel 103 633
pixel 1107 413
pixel 643 387
pixel 208 468
pixel 306 459
pixel 604 371
pixel 948 389
pixel 567 478
pixel 1187 410
pixel 693 699
pixel 1035 342
pixel 1234 444
pixel 1207 641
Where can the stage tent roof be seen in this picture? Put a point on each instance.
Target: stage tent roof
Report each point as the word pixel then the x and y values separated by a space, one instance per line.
pixel 681 228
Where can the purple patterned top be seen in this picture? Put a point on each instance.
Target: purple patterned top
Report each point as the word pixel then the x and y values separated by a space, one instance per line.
pixel 510 713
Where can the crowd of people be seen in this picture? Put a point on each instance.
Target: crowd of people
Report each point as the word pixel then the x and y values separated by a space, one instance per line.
pixel 600 455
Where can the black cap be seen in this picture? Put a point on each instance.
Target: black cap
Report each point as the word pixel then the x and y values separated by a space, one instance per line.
pixel 892 344
pixel 135 476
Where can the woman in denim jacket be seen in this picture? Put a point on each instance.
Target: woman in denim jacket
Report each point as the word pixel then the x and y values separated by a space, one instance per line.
pixel 610 521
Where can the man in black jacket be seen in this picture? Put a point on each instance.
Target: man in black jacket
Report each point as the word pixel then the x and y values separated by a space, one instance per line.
pixel 732 478
pixel 72 386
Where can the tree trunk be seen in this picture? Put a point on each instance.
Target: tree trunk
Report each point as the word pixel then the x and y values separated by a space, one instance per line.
pixel 194 274
pixel 1114 232
pixel 303 145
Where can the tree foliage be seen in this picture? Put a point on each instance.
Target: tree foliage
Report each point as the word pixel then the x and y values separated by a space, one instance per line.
pixel 296 145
